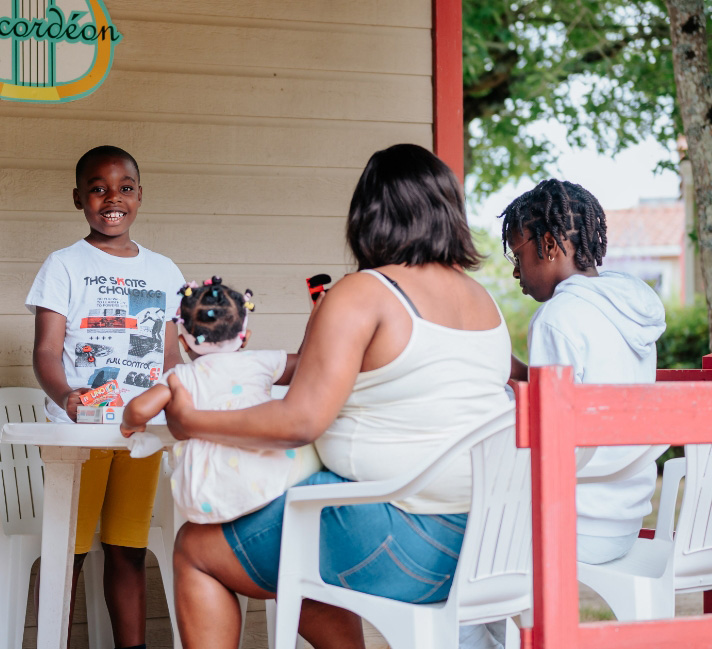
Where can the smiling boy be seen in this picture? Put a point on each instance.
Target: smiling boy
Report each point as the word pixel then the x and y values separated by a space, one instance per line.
pixel 90 301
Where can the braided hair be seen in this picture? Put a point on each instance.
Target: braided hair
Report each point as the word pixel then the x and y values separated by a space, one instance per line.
pixel 567 211
pixel 213 311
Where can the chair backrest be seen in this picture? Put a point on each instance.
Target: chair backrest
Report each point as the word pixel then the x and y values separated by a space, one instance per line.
pixel 693 534
pixel 629 464
pixel 21 468
pixel 497 547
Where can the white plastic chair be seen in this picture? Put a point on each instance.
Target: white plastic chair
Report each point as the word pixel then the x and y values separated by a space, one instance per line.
pixel 493 576
pixel 642 584
pixel 21 500
pixel 20 513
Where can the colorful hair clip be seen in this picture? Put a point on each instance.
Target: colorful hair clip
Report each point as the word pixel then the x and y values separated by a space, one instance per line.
pixel 215 293
pixel 200 339
pixel 207 282
pixel 248 304
pixel 210 313
pixel 178 320
pixel 187 288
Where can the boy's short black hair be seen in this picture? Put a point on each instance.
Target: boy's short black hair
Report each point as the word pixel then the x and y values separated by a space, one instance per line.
pixel 408 208
pixel 104 151
pixel 567 211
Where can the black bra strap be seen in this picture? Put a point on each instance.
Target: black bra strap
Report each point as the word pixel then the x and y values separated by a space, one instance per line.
pixel 401 291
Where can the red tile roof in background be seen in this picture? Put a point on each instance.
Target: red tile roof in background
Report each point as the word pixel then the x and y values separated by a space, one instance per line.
pixel 648 224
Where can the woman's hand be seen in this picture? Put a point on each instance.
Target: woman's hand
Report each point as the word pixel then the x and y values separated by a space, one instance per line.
pixel 180 411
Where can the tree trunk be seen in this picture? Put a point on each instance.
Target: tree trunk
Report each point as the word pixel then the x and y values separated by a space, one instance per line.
pixel 694 96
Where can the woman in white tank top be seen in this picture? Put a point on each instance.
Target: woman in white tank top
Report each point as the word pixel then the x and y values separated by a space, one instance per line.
pixel 398 359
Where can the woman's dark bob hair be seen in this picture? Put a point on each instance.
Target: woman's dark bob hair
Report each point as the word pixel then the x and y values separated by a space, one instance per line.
pixel 408 209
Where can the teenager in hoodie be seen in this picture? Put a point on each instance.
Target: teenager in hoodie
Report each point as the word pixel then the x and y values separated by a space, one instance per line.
pixel 605 326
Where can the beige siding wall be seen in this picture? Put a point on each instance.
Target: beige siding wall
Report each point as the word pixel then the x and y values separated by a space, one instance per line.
pixel 251 120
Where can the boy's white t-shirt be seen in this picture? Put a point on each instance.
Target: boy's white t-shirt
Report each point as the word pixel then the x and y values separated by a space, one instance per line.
pixel 116 310
pixel 215 483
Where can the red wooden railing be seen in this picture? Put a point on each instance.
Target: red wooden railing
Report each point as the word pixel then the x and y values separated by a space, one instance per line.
pixel 554 415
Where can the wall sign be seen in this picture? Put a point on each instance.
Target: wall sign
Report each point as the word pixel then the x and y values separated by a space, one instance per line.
pixel 54 51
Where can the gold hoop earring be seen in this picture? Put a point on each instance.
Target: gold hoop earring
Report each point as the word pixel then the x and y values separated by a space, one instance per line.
pixel 551 258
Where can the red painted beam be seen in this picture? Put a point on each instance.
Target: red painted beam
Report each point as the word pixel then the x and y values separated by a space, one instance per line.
pixel 684 375
pixel 687 632
pixel 660 413
pixel 447 84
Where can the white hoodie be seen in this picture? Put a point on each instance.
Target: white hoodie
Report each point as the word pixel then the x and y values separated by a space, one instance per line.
pixel 606 328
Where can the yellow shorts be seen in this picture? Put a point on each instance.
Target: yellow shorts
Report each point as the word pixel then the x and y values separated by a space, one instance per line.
pixel 121 489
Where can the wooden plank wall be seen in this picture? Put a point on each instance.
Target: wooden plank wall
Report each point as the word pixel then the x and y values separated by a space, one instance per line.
pixel 251 121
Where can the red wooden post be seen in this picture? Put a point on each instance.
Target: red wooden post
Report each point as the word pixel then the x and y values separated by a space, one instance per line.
pixel 707 601
pixel 562 416
pixel 447 84
pixel 556 614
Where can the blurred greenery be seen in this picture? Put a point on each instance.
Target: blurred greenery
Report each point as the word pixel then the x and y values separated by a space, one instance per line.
pixel 684 343
pixel 685 340
pixel 496 276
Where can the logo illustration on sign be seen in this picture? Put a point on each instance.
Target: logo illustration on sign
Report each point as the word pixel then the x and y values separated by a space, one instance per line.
pixel 53 52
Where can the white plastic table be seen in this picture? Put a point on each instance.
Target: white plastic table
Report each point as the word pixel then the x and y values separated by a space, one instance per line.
pixel 64 448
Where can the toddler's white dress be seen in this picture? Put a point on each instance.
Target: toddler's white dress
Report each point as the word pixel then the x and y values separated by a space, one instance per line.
pixel 214 483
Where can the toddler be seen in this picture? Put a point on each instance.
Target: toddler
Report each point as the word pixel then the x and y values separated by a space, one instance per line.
pixel 211 482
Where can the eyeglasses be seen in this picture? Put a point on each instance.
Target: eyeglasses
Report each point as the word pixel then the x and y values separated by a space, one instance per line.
pixel 511 257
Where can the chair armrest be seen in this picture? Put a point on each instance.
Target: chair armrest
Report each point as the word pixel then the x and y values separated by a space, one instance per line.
pixel 625 468
pixel 673 472
pixel 302 511
pixel 399 487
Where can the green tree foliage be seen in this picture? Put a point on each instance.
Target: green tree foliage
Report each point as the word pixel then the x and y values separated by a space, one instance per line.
pixel 496 277
pixel 602 68
pixel 684 342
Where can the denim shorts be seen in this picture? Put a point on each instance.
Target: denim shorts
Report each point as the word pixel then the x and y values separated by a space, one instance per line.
pixel 377 549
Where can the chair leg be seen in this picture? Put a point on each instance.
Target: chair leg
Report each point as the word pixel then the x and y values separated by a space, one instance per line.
pixel 271 615
pixel 512 637
pixel 283 623
pixel 162 549
pixel 98 621
pixel 242 601
pixel 18 555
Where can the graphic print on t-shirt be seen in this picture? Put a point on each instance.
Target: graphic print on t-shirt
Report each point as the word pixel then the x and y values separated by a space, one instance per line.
pixel 87 353
pixel 102 376
pixel 108 319
pixel 123 334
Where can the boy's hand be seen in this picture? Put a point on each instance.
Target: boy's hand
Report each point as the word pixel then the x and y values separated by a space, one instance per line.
pixel 71 401
pixel 179 409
